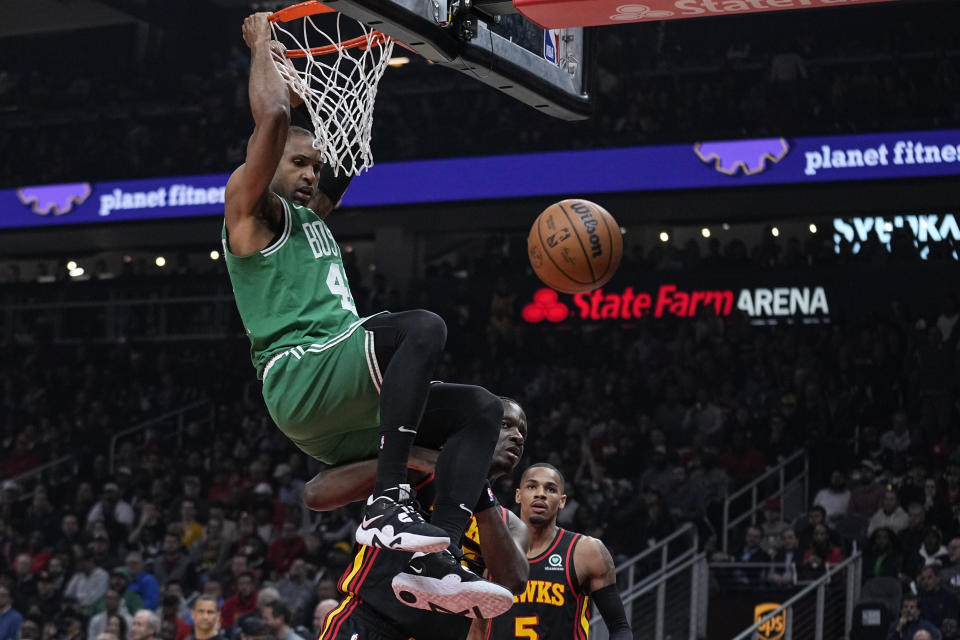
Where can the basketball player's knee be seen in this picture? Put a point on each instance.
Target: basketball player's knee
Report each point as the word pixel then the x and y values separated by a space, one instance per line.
pixel 488 408
pixel 428 332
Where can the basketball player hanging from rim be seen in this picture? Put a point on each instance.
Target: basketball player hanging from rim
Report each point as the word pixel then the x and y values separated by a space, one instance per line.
pixel 322 366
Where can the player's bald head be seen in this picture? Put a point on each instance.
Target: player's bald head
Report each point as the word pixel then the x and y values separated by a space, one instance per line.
pixel 545 465
pixel 297 132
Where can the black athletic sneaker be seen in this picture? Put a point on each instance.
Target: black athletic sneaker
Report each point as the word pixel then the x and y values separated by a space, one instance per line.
pixel 395 525
pixel 439 583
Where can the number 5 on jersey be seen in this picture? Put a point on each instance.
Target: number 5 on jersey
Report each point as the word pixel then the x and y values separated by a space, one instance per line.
pixel 525 627
pixel 337 284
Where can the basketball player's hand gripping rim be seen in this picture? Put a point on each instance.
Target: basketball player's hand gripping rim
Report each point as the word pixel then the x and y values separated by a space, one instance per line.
pixel 256 29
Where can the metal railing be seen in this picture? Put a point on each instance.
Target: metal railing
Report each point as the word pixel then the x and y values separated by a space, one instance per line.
pixel 672 607
pixel 823 609
pixel 773 483
pixel 666 576
pixel 173 424
pixel 54 472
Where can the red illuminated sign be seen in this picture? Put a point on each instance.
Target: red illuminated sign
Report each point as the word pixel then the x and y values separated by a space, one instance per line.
pixel 669 300
pixel 561 14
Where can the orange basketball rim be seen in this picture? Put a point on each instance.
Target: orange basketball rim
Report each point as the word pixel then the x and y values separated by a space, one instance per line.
pixel 313 8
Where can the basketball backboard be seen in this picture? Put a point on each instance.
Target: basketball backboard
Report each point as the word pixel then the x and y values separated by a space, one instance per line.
pixel 489 41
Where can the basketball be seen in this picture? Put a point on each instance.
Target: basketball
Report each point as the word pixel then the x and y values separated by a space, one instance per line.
pixel 575 246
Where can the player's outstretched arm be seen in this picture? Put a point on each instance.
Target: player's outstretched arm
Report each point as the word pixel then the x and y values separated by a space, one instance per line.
pixel 339 486
pixel 504 548
pixel 270 105
pixel 598 575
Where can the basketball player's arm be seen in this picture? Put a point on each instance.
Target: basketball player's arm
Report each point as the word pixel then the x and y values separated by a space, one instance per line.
pixel 248 187
pixel 339 486
pixel 504 548
pixel 598 575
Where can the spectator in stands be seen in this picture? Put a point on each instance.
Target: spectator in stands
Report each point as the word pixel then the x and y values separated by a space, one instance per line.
pixel 912 537
pixel 897 439
pixel 141 582
pixel 822 552
pixel 169 610
pixel 938 512
pixel 949 629
pixel 116 513
pixel 26 586
pixel 742 460
pixel 46 604
pixel 936 603
pixel 145 626
pixel 890 515
pixel 89 583
pixel 913 489
pixel 278 617
pixel 910 621
pixel 244 601
pixel 147 536
pixel 931 551
pixel 773 526
pixel 750 552
pixel 834 499
pixel 192 530
pixel 10 618
pixel 320 612
pixel 113 606
pixel 206 619
pixel 881 557
pixel 295 588
pixel 804 526
pixel 786 560
pixel 255 629
pixel 950 575
pixel 174 562
pixel 282 551
pixel 120 582
pixel 867 497
pixel 289 489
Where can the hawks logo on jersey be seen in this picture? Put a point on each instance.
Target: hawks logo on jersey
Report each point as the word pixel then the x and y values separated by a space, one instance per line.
pixel 543 592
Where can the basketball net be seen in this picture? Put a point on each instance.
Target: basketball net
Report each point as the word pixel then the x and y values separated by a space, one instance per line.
pixel 338 83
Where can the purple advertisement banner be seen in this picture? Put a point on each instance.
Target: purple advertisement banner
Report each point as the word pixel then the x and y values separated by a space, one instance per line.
pixel 720 164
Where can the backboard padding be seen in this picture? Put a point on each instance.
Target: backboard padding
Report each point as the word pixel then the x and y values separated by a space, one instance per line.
pixel 489 57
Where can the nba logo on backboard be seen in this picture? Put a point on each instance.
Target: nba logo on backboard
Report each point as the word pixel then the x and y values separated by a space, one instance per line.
pixel 551 45
pixel 775 627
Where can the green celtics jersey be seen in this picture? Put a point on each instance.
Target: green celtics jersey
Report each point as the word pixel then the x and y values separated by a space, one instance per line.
pixel 294 292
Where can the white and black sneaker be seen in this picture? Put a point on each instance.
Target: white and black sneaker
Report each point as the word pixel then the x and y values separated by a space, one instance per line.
pixel 439 583
pixel 397 525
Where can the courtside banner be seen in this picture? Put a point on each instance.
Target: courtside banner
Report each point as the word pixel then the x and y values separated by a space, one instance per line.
pixel 703 165
pixel 559 14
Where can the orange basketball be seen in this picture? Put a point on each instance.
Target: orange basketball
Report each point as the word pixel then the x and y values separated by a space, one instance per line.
pixel 575 246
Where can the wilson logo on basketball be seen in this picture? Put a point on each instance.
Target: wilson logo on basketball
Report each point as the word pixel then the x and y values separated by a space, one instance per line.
pixel 671 301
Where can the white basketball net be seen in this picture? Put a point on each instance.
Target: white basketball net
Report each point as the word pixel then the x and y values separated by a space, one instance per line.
pixel 338 86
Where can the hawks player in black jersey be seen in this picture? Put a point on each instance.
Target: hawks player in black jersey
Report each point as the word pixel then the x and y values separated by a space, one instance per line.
pixel 566 570
pixel 381 597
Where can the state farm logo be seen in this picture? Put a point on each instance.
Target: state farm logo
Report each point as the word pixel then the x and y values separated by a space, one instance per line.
pixel 760 304
pixel 545 306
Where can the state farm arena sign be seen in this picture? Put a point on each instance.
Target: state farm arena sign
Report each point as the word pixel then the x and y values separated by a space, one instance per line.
pixel 762 305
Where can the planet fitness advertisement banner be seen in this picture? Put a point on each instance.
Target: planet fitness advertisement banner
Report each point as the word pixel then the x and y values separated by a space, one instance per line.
pixel 718 164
